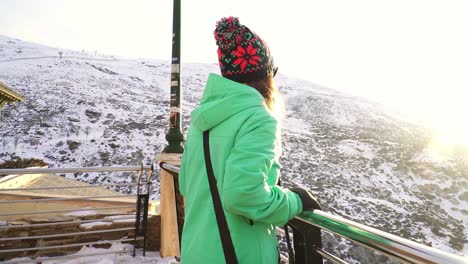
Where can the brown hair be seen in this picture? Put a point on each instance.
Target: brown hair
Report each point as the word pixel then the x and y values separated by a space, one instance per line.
pixel 267 89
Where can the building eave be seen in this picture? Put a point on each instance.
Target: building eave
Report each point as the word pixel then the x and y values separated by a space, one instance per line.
pixel 9 94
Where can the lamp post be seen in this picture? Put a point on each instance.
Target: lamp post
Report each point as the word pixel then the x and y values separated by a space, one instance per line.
pixel 171 210
pixel 174 137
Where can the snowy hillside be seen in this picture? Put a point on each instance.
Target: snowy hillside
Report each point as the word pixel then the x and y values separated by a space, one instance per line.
pixel 93 110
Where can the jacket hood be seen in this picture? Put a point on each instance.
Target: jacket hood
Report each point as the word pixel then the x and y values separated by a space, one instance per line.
pixel 223 98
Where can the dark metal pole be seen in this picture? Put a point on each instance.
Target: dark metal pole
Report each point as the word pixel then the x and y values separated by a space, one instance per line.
pixel 306 239
pixel 175 137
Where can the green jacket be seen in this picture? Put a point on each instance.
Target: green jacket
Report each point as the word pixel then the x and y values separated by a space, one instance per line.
pixel 245 163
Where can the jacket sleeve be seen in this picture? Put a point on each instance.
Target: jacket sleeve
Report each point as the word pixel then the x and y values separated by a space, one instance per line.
pixel 245 188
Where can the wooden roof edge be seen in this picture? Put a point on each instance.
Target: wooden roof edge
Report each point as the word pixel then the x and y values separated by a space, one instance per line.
pixel 10 93
pixel 34 195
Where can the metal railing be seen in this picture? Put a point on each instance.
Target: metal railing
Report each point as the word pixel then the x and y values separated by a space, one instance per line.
pixel 137 210
pixel 393 246
pixel 73 170
pixel 307 247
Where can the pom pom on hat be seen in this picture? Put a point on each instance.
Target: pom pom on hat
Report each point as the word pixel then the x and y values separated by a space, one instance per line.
pixel 242 54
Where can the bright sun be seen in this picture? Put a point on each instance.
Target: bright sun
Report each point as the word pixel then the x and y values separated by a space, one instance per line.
pixel 452 135
pixel 445 115
pixel 448 135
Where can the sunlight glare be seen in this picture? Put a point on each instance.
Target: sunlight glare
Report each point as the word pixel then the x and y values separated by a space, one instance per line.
pixel 447 136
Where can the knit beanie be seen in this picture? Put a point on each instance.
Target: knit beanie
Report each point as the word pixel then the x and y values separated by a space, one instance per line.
pixel 243 56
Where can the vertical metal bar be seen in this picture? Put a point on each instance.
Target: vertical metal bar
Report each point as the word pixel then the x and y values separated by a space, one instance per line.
pixel 141 223
pixel 138 210
pixel 174 137
pixel 314 239
pixel 180 220
pixel 144 221
pixel 148 190
pixel 150 174
pixel 299 246
pixel 306 237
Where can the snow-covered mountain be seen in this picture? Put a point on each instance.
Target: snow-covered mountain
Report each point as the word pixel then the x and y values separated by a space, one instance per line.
pixel 362 163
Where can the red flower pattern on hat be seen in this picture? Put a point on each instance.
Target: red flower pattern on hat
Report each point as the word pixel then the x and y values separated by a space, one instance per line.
pixel 244 58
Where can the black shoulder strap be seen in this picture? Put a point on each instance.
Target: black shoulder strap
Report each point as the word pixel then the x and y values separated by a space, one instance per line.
pixel 228 247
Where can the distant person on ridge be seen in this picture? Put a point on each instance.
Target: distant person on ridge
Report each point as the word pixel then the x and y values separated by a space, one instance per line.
pixel 244 148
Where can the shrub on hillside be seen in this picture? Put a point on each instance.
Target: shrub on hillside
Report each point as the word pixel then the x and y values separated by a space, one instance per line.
pixel 20 163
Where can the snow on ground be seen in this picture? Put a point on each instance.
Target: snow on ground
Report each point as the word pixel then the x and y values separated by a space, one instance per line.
pixel 93 224
pixel 90 255
pixel 357 148
pixel 296 126
pixel 82 213
pixel 128 220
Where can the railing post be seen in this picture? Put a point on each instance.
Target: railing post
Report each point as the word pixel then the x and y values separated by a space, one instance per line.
pixel 170 240
pixel 306 239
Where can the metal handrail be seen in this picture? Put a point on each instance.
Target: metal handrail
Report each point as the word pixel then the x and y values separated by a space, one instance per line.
pixel 70 245
pixel 68 234
pixel 86 198
pixel 392 245
pixel 73 256
pixel 169 167
pixel 68 210
pixel 72 170
pixel 330 257
pixel 71 222
pixel 70 187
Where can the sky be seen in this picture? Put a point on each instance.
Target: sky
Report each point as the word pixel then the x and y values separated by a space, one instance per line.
pixel 410 55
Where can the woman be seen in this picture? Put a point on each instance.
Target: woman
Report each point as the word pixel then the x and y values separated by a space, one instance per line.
pixel 236 109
